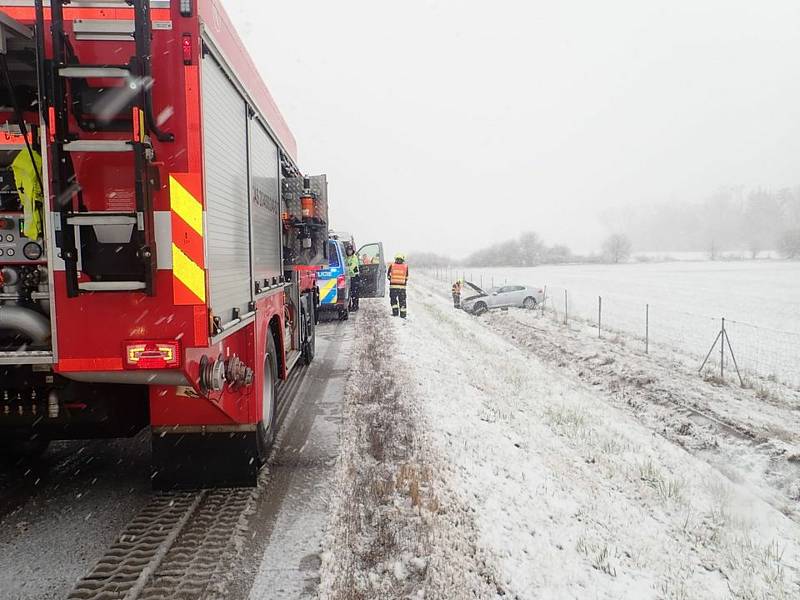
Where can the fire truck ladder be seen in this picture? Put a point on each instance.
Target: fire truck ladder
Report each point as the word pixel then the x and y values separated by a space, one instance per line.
pixel 116 249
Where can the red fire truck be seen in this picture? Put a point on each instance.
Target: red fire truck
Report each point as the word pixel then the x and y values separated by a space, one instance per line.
pixel 170 282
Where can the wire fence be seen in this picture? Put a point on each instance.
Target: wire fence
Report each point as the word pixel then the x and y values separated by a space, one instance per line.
pixel 719 347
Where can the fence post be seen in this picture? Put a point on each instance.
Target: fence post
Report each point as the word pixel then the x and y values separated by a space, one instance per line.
pixel 481 280
pixel 599 316
pixel 565 307
pixel 646 328
pixel 544 299
pixel 492 280
pixel 722 351
pixel 733 357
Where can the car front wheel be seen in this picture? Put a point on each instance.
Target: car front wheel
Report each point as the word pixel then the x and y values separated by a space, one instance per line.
pixel 479 308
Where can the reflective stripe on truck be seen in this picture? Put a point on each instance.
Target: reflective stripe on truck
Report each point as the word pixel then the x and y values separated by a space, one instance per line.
pixel 188 260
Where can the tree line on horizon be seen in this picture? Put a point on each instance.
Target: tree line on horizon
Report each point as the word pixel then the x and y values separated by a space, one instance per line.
pixel 527 250
pixel 733 218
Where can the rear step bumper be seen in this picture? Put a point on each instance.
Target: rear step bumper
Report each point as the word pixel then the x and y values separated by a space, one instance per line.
pixel 216 459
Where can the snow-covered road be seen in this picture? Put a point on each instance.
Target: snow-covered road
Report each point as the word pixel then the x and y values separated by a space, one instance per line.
pixel 573 497
pixel 285 531
pixel 58 516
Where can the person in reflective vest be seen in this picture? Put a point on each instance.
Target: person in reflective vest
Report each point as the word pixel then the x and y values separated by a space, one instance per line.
pixel 355 277
pixel 398 278
pixel 26 167
pixel 457 294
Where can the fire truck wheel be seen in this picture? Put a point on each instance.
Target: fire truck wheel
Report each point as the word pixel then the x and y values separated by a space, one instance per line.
pixel 309 343
pixel 266 428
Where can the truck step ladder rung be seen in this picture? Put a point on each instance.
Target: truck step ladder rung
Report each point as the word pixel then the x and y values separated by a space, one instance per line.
pixel 111 286
pixel 98 146
pixel 102 219
pixel 98 71
pixel 26 357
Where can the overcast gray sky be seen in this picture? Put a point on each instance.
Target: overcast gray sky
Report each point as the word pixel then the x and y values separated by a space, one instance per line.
pixel 443 125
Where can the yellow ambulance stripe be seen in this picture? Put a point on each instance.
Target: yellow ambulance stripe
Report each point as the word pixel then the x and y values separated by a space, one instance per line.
pixel 326 287
pixel 189 273
pixel 185 205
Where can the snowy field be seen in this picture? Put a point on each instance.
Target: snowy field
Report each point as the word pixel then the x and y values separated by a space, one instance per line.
pixel 760 301
pixel 507 457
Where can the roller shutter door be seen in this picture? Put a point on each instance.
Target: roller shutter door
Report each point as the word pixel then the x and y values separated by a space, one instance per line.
pixel 265 204
pixel 226 193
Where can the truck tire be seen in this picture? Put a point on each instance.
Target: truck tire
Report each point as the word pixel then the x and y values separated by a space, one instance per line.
pixel 344 314
pixel 269 399
pixel 310 341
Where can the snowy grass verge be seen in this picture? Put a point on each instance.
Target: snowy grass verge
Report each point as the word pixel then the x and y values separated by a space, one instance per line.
pixel 396 530
pixel 576 496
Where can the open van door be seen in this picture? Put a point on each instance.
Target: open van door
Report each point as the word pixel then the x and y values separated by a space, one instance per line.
pixel 372 267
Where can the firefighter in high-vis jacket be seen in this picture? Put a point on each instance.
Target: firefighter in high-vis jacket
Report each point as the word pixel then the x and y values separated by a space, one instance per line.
pixel 398 278
pixel 457 294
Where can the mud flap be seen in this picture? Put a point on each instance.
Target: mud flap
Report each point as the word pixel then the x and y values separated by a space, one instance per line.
pixel 205 460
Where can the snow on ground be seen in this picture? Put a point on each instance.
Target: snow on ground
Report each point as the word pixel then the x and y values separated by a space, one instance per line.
pixel 396 530
pixel 572 495
pixel 749 435
pixel 759 299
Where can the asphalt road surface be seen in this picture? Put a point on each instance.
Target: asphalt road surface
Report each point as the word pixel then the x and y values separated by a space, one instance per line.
pixel 58 517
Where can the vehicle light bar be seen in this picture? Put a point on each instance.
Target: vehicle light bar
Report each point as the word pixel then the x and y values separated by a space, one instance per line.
pixel 147 354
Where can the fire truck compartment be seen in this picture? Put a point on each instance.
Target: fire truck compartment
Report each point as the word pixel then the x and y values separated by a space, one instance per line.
pixel 25 327
pixel 17 63
pixel 228 228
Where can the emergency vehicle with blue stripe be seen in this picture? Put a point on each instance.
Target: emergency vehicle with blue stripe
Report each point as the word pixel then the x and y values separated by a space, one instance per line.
pixel 171 282
pixel 334 282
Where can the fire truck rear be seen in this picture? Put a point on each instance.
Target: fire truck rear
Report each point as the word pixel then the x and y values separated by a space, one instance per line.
pixel 164 275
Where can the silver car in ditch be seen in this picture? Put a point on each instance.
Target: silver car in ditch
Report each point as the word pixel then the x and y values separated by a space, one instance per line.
pixel 522 296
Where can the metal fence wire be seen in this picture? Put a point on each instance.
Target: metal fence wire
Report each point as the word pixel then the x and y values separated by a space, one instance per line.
pixel 761 355
pixel 756 352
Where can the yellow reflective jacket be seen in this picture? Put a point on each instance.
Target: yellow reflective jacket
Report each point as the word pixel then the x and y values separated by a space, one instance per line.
pixel 29 190
pixel 352 265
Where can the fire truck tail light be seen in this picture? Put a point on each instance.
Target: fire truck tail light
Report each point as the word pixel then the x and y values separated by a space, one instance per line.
pixel 186 46
pixel 142 354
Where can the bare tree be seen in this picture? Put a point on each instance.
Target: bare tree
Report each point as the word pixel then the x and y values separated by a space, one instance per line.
pixel 530 249
pixel 617 247
pixel 789 244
